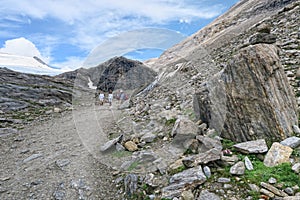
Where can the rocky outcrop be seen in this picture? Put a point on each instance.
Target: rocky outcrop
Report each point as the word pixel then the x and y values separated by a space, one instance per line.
pixel 249 99
pixel 116 73
pixel 20 91
pixel 122 73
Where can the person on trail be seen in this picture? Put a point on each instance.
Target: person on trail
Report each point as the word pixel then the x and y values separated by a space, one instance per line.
pixel 101 98
pixel 110 97
pixel 122 96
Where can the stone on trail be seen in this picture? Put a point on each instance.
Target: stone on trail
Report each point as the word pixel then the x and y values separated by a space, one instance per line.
pixel 296 167
pixel 296 128
pixel 148 137
pixel 130 146
pixel 187 195
pixel 111 143
pixel 130 182
pixel 32 157
pixel 277 154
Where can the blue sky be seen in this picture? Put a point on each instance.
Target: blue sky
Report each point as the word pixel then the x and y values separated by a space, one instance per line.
pixel 64 32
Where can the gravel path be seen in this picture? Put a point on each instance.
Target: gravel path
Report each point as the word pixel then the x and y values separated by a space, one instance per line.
pixel 56 159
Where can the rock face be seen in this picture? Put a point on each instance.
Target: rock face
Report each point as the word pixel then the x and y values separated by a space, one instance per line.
pixel 123 73
pixel 259 102
pixel 20 91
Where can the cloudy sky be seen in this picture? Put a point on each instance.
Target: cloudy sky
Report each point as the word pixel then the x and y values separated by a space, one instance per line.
pixel 64 32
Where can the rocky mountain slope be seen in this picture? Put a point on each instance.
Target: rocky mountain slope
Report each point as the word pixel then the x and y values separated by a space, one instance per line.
pixel 226 84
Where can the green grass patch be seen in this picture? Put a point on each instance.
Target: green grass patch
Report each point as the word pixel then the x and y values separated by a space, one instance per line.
pixel 121 154
pixel 227 144
pixel 177 170
pixel 282 173
pixel 133 166
pixel 170 122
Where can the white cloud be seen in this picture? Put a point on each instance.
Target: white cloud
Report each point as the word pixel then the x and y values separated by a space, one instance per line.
pixel 85 24
pixel 22 47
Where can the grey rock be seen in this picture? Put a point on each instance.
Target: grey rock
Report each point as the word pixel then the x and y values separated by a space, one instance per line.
pixel 207 143
pixel 272 180
pixel 126 104
pixel 230 160
pixel 178 182
pixel 32 157
pixel 273 189
pixel 296 128
pixel 223 180
pixel 202 158
pixel 289 191
pixel 238 168
pixel 183 130
pixel 248 163
pixel 291 198
pixel 189 176
pixel 110 143
pixel 277 154
pixel 207 171
pixel 242 89
pixel 292 142
pixel 148 137
pixel 267 192
pixel 130 183
pixel 227 186
pixel 59 193
pixel 205 195
pixel 296 167
pixel 262 38
pixel 187 195
pixel 7 131
pixel 254 187
pixel 62 163
pixel 256 146
pixel 120 147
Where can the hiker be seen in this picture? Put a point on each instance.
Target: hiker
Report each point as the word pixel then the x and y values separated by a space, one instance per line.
pixel 101 98
pixel 110 97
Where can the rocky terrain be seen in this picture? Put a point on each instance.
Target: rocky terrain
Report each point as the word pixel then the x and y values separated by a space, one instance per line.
pixel 219 121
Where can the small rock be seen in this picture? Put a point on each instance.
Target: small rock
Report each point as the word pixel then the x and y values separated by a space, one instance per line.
pixel 254 187
pixel 130 183
pixel 130 146
pixel 111 143
pixel 296 128
pixel 273 189
pixel 187 195
pixel 272 180
pixel 223 180
pixel 227 186
pixel 148 137
pixel 256 146
pixel 296 167
pixel 119 147
pixel 57 110
pixel 32 157
pixel 206 195
pixel 238 168
pixel 248 163
pixel 230 160
pixel 267 192
pixel 292 142
pixel 277 154
pixel 62 163
pixel 207 171
pixel 289 191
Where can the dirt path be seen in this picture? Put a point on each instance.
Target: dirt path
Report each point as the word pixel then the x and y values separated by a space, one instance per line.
pixel 56 159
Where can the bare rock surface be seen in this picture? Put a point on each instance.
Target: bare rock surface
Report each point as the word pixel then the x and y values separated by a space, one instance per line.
pixel 259 102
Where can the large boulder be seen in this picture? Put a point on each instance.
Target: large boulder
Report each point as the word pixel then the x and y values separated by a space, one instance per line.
pixel 250 98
